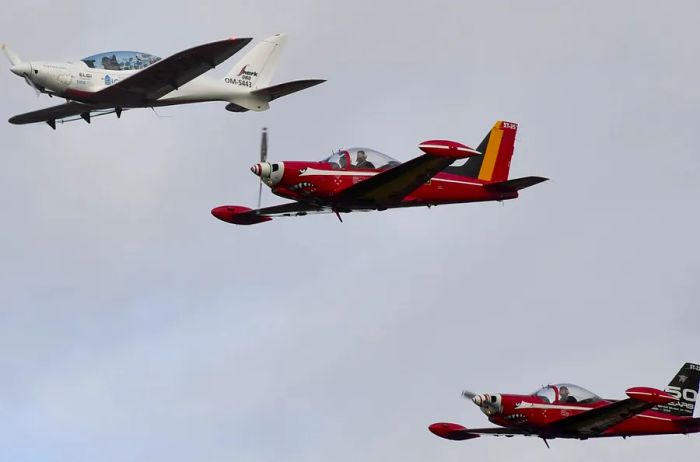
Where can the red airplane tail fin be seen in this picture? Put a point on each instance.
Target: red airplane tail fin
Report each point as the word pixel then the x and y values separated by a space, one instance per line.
pixel 497 151
pixel 683 387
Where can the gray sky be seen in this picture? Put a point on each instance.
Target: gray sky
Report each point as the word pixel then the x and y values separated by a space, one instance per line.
pixel 135 326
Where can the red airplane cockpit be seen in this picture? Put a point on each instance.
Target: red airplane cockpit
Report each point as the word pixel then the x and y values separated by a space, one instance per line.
pixel 360 158
pixel 494 405
pixel 566 393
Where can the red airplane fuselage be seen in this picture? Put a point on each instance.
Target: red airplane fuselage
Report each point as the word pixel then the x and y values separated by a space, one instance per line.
pixel 320 183
pixel 535 414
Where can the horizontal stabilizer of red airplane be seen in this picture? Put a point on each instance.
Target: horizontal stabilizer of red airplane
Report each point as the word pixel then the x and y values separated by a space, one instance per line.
pixel 515 184
pixel 690 425
pixel 650 395
pixel 452 431
pixel 446 148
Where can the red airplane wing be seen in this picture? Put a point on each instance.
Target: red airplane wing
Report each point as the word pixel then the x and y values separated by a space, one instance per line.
pixel 245 216
pixel 290 209
pixel 166 75
pixel 456 432
pixel 393 185
pixel 599 419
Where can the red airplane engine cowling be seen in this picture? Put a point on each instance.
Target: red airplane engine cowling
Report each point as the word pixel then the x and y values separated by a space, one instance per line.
pixel 520 409
pixel 315 179
pixel 649 395
pixel 446 148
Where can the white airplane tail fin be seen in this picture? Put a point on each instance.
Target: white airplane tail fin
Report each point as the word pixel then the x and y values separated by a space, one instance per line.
pixel 11 55
pixel 256 68
pixel 252 76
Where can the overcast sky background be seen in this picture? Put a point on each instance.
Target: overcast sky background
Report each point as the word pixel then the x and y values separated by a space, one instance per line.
pixel 136 327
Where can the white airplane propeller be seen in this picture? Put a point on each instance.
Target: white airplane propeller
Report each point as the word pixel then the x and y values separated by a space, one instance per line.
pixel 20 68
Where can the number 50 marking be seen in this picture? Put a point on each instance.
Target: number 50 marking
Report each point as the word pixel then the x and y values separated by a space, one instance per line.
pixel 686 393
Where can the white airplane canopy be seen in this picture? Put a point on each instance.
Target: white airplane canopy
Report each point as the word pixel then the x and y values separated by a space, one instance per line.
pixel 120 60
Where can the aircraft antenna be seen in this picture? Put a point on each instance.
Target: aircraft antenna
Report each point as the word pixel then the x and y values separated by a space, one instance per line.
pixel 158 115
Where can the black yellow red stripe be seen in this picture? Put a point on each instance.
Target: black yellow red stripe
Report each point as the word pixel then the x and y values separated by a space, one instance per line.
pixel 491 155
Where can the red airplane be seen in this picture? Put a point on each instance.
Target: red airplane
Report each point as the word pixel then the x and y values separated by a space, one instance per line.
pixel 569 411
pixel 361 179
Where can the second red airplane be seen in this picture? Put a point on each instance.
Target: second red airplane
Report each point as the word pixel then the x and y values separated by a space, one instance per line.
pixel 565 410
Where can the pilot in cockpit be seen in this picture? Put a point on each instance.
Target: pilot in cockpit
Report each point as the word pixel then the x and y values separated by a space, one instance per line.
pixel 565 397
pixel 362 161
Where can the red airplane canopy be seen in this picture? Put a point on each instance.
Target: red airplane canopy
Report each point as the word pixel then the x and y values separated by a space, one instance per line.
pixel 353 156
pixel 574 393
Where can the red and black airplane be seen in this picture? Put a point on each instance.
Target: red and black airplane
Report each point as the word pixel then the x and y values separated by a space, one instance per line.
pixel 569 411
pixel 361 179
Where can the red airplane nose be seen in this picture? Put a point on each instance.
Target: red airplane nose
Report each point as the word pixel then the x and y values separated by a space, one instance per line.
pixel 256 169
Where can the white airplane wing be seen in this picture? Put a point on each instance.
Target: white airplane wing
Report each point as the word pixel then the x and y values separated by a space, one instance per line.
pixel 63 111
pixel 164 76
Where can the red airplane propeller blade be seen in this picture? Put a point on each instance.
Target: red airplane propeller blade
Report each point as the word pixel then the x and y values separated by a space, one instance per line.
pixel 263 158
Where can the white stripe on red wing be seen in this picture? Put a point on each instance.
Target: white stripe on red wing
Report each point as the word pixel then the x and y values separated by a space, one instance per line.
pixel 315 172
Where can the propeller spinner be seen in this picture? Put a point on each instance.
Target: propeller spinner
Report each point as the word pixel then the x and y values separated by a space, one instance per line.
pixel 20 68
pixel 489 404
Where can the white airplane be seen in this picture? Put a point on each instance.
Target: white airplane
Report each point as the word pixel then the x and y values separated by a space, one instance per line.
pixel 115 81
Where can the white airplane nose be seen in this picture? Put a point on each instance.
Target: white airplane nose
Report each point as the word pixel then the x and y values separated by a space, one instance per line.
pixel 21 69
pixel 477 400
